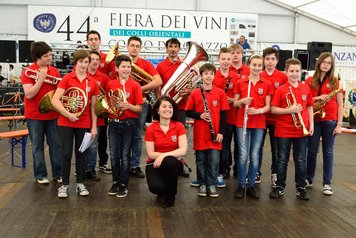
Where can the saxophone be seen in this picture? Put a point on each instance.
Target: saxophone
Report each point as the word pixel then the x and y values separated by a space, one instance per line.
pixel 318 108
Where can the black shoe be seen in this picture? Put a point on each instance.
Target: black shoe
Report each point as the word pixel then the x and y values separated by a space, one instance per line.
pixel 240 192
pixel 137 172
pixel 235 174
pixel 276 192
pixel 90 175
pixel 226 174
pixel 251 192
pixel 105 169
pixel 113 189
pixel 302 194
pixel 183 173
pixel 169 201
pixel 122 191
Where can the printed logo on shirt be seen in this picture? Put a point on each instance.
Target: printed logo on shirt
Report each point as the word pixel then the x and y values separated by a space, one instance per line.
pixel 102 65
pixel 231 85
pixel 243 76
pixel 174 138
pixel 45 22
pixel 276 84
pixel 127 95
pixel 260 91
pixel 87 90
pixel 328 85
pixel 304 97
pixel 215 103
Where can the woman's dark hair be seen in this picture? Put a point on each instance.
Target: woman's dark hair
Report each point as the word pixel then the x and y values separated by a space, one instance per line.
pixel 156 106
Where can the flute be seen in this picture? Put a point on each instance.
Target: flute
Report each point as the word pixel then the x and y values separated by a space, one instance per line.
pixel 206 109
pixel 246 114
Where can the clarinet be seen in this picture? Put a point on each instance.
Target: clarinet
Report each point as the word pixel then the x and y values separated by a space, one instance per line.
pixel 246 114
pixel 227 84
pixel 206 109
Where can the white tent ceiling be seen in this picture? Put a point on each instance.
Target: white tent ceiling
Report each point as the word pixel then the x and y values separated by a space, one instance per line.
pixel 338 13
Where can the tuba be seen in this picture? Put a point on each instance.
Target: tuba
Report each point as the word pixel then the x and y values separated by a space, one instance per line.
pixel 318 108
pixel 74 100
pixel 298 122
pixel 185 77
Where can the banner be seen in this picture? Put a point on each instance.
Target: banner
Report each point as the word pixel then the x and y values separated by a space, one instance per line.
pixel 212 30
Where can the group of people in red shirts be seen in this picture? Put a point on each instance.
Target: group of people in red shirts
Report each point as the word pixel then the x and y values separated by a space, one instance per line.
pixel 234 101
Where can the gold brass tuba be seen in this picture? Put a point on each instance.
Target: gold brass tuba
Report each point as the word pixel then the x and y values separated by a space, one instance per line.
pixel 318 108
pixel 74 100
pixel 185 76
pixel 298 122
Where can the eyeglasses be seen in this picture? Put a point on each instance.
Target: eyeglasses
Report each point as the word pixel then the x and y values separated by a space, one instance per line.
pixel 326 62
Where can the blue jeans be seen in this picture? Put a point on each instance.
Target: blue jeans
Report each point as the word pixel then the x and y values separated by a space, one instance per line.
pixel 274 150
pixel 207 166
pixel 38 129
pixel 248 150
pixel 226 155
pixel 92 152
pixel 325 130
pixel 120 142
pixel 299 157
pixel 137 137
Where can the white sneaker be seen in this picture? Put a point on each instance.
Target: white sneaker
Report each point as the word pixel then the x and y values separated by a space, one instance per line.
pixel 63 191
pixel 327 190
pixel 82 190
pixel 43 181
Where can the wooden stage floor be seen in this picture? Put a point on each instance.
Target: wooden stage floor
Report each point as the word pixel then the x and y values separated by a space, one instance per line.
pixel 28 209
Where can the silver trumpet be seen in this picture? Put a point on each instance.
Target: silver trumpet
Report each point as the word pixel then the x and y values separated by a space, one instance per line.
pixel 34 75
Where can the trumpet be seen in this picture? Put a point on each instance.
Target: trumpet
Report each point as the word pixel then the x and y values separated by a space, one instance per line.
pixel 33 74
pixel 298 122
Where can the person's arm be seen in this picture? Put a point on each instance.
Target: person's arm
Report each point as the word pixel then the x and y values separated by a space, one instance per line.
pixel 56 103
pixel 31 90
pixel 155 83
pixel 93 130
pixel 340 113
pixel 289 110
pixel 311 119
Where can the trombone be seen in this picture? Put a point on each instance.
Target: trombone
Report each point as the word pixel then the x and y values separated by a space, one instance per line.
pixel 33 74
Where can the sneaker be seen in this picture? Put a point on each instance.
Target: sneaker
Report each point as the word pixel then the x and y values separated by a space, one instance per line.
pixel 308 184
pixel 252 193
pixel 274 180
pixel 302 194
pixel 138 172
pixel 221 183
pixel 105 169
pixel 258 178
pixel 58 180
pixel 194 183
pixel 276 192
pixel 91 175
pixel 82 190
pixel 63 191
pixel 122 191
pixel 113 189
pixel 183 173
pixel 212 192
pixel 43 181
pixel 240 192
pixel 202 191
pixel 327 190
pixel 169 201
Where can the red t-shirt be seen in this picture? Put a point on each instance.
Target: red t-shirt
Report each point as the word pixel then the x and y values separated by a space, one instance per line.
pixel 133 96
pixel 217 102
pixel 243 72
pixel 284 123
pixel 102 80
pixel 331 106
pixel 71 80
pixel 220 81
pixel 164 142
pixel 277 79
pixel 258 92
pixel 166 69
pixel 106 68
pixel 31 105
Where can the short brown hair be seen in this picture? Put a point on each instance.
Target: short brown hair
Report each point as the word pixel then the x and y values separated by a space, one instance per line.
pixel 292 61
pixel 80 54
pixel 270 51
pixel 39 48
pixel 207 67
pixel 121 58
pixel 224 50
pixel 236 47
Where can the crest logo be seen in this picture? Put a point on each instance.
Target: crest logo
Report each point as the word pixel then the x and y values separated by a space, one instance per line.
pixel 328 85
pixel 45 22
pixel 260 91
pixel 102 65
pixel 231 85
pixel 127 94
pixel 174 138
pixel 304 97
pixel 215 103
pixel 276 84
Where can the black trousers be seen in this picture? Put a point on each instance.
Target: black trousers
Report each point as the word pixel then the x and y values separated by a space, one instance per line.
pixel 67 134
pixel 103 144
pixel 163 180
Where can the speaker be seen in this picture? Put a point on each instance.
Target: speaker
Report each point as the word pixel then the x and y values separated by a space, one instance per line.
pixel 7 51
pixel 303 56
pixel 315 49
pixel 283 56
pixel 25 51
